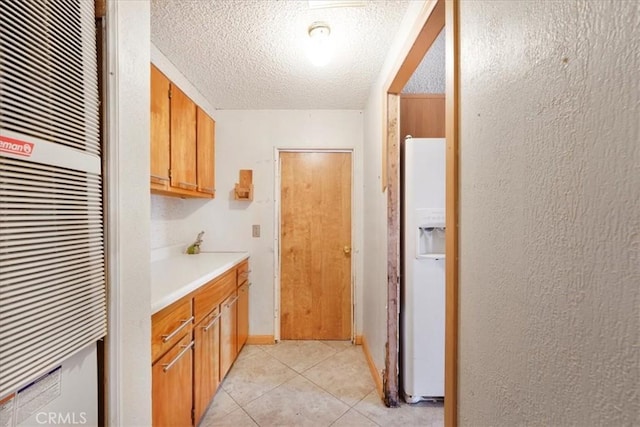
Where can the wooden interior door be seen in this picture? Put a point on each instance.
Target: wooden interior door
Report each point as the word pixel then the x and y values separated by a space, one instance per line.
pixel 315 245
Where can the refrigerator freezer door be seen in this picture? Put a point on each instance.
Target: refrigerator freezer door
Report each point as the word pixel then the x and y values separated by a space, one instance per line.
pixel 423 285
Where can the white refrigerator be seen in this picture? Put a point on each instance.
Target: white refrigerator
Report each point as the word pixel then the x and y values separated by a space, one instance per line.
pixel 423 279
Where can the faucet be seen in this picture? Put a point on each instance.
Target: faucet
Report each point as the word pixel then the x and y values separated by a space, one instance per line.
pixel 194 248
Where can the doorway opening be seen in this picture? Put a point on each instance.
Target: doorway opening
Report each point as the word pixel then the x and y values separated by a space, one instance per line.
pixel 435 16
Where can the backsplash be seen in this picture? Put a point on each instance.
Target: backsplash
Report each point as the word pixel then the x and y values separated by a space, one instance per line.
pixel 170 223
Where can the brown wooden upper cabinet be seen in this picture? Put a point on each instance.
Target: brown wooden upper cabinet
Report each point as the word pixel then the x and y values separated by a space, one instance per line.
pixel 422 115
pixel 182 142
pixel 206 154
pixel 160 126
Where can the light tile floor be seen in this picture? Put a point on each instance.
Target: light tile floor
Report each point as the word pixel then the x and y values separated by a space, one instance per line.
pixel 308 383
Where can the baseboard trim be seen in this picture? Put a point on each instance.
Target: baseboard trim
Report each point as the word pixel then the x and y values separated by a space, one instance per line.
pixel 358 340
pixel 372 366
pixel 261 339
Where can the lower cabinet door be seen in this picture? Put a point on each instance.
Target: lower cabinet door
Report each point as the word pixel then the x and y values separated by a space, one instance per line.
pixel 243 315
pixel 228 333
pixel 172 386
pixel 206 367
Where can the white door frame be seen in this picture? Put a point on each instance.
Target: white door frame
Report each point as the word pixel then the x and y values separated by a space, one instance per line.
pixel 276 233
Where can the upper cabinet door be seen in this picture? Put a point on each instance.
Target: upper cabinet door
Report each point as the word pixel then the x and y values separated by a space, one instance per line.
pixel 160 126
pixel 206 153
pixel 183 140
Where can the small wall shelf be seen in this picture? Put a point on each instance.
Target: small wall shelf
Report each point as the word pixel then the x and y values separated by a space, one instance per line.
pixel 244 189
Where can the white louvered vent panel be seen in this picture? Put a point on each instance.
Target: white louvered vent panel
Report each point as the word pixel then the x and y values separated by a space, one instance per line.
pixel 48 72
pixel 52 279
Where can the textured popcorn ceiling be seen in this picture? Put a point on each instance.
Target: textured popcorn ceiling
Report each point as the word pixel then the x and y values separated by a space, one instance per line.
pixel 251 54
pixel 430 76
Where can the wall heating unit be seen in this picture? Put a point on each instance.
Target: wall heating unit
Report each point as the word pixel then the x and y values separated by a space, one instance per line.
pixel 52 276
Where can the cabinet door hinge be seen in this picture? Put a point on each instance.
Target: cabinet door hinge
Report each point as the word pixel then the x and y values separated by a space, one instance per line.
pixel 169 93
pixel 169 173
pixel 193 416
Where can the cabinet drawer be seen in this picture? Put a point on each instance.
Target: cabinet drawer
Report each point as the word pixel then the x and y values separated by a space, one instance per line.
pixel 243 272
pixel 212 294
pixel 168 326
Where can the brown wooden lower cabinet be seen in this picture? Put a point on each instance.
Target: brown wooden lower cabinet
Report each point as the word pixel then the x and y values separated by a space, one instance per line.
pixel 172 385
pixel 228 333
pixel 206 372
pixel 186 378
pixel 243 315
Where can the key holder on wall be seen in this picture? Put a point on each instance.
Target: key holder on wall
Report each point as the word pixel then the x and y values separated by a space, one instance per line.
pixel 244 189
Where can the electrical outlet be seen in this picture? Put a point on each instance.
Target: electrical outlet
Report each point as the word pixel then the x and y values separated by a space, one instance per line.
pixel 255 230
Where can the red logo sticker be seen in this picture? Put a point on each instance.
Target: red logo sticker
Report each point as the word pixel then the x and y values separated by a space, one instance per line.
pixel 14 146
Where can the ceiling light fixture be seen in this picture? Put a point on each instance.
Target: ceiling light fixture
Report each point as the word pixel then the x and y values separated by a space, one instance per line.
pixel 319 51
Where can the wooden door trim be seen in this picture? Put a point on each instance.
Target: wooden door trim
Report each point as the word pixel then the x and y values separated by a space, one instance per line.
pixel 276 234
pixel 391 370
pixel 433 17
pixel 452 206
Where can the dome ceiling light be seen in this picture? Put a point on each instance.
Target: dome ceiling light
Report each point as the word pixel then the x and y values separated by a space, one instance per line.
pixel 319 51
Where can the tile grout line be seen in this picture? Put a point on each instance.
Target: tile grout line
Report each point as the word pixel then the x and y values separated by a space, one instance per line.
pixel 301 374
pixel 312 366
pixel 267 391
pixel 322 388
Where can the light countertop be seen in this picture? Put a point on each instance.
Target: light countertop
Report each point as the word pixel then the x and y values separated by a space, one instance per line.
pixel 179 274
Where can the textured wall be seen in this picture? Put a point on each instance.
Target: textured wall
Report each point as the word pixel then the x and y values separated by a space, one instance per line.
pixel 429 77
pixel 550 211
pixel 128 204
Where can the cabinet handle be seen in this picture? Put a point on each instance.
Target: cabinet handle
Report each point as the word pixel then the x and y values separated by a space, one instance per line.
pixel 232 302
pixel 159 178
pixel 186 184
pixel 185 348
pixel 206 328
pixel 166 338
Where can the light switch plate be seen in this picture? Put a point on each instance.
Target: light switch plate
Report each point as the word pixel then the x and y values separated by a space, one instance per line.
pixel 255 230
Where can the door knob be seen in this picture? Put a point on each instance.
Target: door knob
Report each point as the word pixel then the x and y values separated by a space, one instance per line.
pixel 347 250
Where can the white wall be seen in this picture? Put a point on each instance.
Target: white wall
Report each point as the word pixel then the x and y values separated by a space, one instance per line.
pixel 129 358
pixel 246 140
pixel 550 213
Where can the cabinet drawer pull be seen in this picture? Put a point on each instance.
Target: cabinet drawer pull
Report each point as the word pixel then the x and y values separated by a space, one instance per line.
pixel 159 178
pixel 232 302
pixel 186 184
pixel 185 348
pixel 166 338
pixel 215 319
